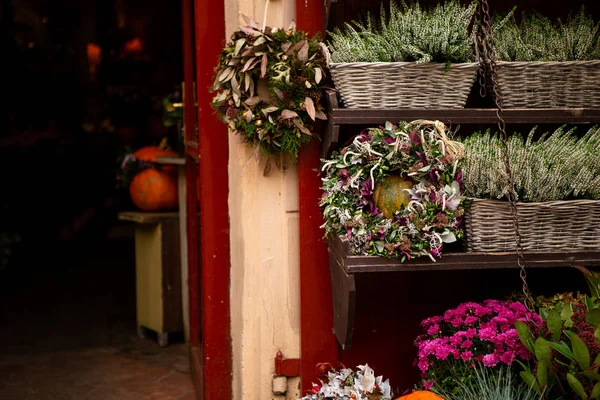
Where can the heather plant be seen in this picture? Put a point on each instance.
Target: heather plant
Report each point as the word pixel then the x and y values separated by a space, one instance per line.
pixel 408 33
pixel 471 335
pixel 536 38
pixel 555 167
pixel 493 384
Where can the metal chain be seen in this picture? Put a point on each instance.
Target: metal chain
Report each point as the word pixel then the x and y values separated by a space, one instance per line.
pixel 488 60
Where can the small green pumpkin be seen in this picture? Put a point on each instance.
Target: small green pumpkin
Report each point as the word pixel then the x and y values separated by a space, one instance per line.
pixel 390 194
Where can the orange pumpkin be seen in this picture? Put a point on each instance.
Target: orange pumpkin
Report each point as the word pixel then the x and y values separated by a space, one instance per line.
pixel 151 153
pixel 390 194
pixel 153 190
pixel 421 395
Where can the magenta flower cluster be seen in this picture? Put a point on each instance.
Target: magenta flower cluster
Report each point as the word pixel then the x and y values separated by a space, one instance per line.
pixel 474 333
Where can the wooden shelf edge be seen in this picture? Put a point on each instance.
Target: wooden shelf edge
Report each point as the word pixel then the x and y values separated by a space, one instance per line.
pixel 459 261
pixel 342 116
pixel 142 217
pixel 344 268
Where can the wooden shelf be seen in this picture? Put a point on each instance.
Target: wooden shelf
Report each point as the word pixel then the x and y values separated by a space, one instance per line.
pixel 459 261
pixel 338 116
pixel 171 161
pixel 344 268
pixel 348 116
pixel 142 217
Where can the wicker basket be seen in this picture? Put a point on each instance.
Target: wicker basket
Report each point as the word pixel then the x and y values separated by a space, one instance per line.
pixel 573 84
pixel 402 84
pixel 554 225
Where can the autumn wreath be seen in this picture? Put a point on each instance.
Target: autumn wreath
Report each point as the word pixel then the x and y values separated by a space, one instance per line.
pixel 269 85
pixel 395 191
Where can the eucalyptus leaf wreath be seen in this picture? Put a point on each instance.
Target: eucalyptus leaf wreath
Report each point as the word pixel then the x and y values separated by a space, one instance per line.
pixel 426 159
pixel 268 85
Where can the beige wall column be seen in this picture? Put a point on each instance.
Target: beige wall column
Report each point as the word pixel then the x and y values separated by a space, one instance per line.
pixel 265 298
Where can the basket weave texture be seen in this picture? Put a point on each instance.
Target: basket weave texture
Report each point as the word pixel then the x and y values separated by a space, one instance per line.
pixel 540 84
pixel 555 225
pixel 403 84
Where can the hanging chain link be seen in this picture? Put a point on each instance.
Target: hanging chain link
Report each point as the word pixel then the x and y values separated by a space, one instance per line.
pixel 487 59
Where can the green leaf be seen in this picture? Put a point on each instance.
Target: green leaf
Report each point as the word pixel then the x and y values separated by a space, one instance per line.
pixel 238 46
pixel 542 373
pixel 563 349
pixel 554 324
pixel 593 317
pixel 580 351
pixel 542 350
pixel 566 312
pixel 589 303
pixel 595 376
pixel 595 391
pixel 448 237
pixel 530 380
pixel 524 335
pixel 576 386
pixel 597 334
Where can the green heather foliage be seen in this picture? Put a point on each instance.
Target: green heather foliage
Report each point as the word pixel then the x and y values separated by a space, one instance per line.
pixel 493 384
pixel 556 167
pixel 536 38
pixel 408 33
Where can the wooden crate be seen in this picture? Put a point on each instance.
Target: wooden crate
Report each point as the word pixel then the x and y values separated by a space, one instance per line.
pixel 158 273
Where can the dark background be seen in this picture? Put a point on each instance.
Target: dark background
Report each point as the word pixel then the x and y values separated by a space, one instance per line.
pixel 62 128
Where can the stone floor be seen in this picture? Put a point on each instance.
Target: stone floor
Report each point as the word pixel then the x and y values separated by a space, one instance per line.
pixel 67 331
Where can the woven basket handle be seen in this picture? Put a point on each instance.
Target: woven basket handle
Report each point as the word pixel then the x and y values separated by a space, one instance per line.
pixel 326 53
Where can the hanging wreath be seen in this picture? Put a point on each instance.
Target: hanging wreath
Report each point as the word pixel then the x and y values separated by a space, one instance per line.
pixel 395 191
pixel 269 88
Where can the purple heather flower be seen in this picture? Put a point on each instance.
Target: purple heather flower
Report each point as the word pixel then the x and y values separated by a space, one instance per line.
pixel 389 140
pixel 414 137
pixel 432 196
pixel 366 188
pixel 363 136
pixel 434 177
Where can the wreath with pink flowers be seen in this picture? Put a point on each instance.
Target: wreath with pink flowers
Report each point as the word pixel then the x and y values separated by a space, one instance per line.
pixel 423 154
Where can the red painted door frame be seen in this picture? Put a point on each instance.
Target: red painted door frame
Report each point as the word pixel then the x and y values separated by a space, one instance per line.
pixel 209 285
pixel 192 185
pixel 210 288
pixel 317 341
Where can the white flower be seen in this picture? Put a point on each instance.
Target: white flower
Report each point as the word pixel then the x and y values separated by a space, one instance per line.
pixel 367 381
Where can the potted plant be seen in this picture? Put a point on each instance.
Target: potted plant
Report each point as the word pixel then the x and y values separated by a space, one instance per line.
pixel 567 347
pixel 411 58
pixel 344 383
pixel 544 64
pixel 557 186
pixel 456 347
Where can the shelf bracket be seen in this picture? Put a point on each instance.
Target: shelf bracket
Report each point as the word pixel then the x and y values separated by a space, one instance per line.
pixel 343 289
pixel 332 131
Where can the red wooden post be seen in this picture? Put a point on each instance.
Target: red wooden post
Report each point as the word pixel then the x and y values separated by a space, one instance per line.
pixel 316 313
pixel 214 213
